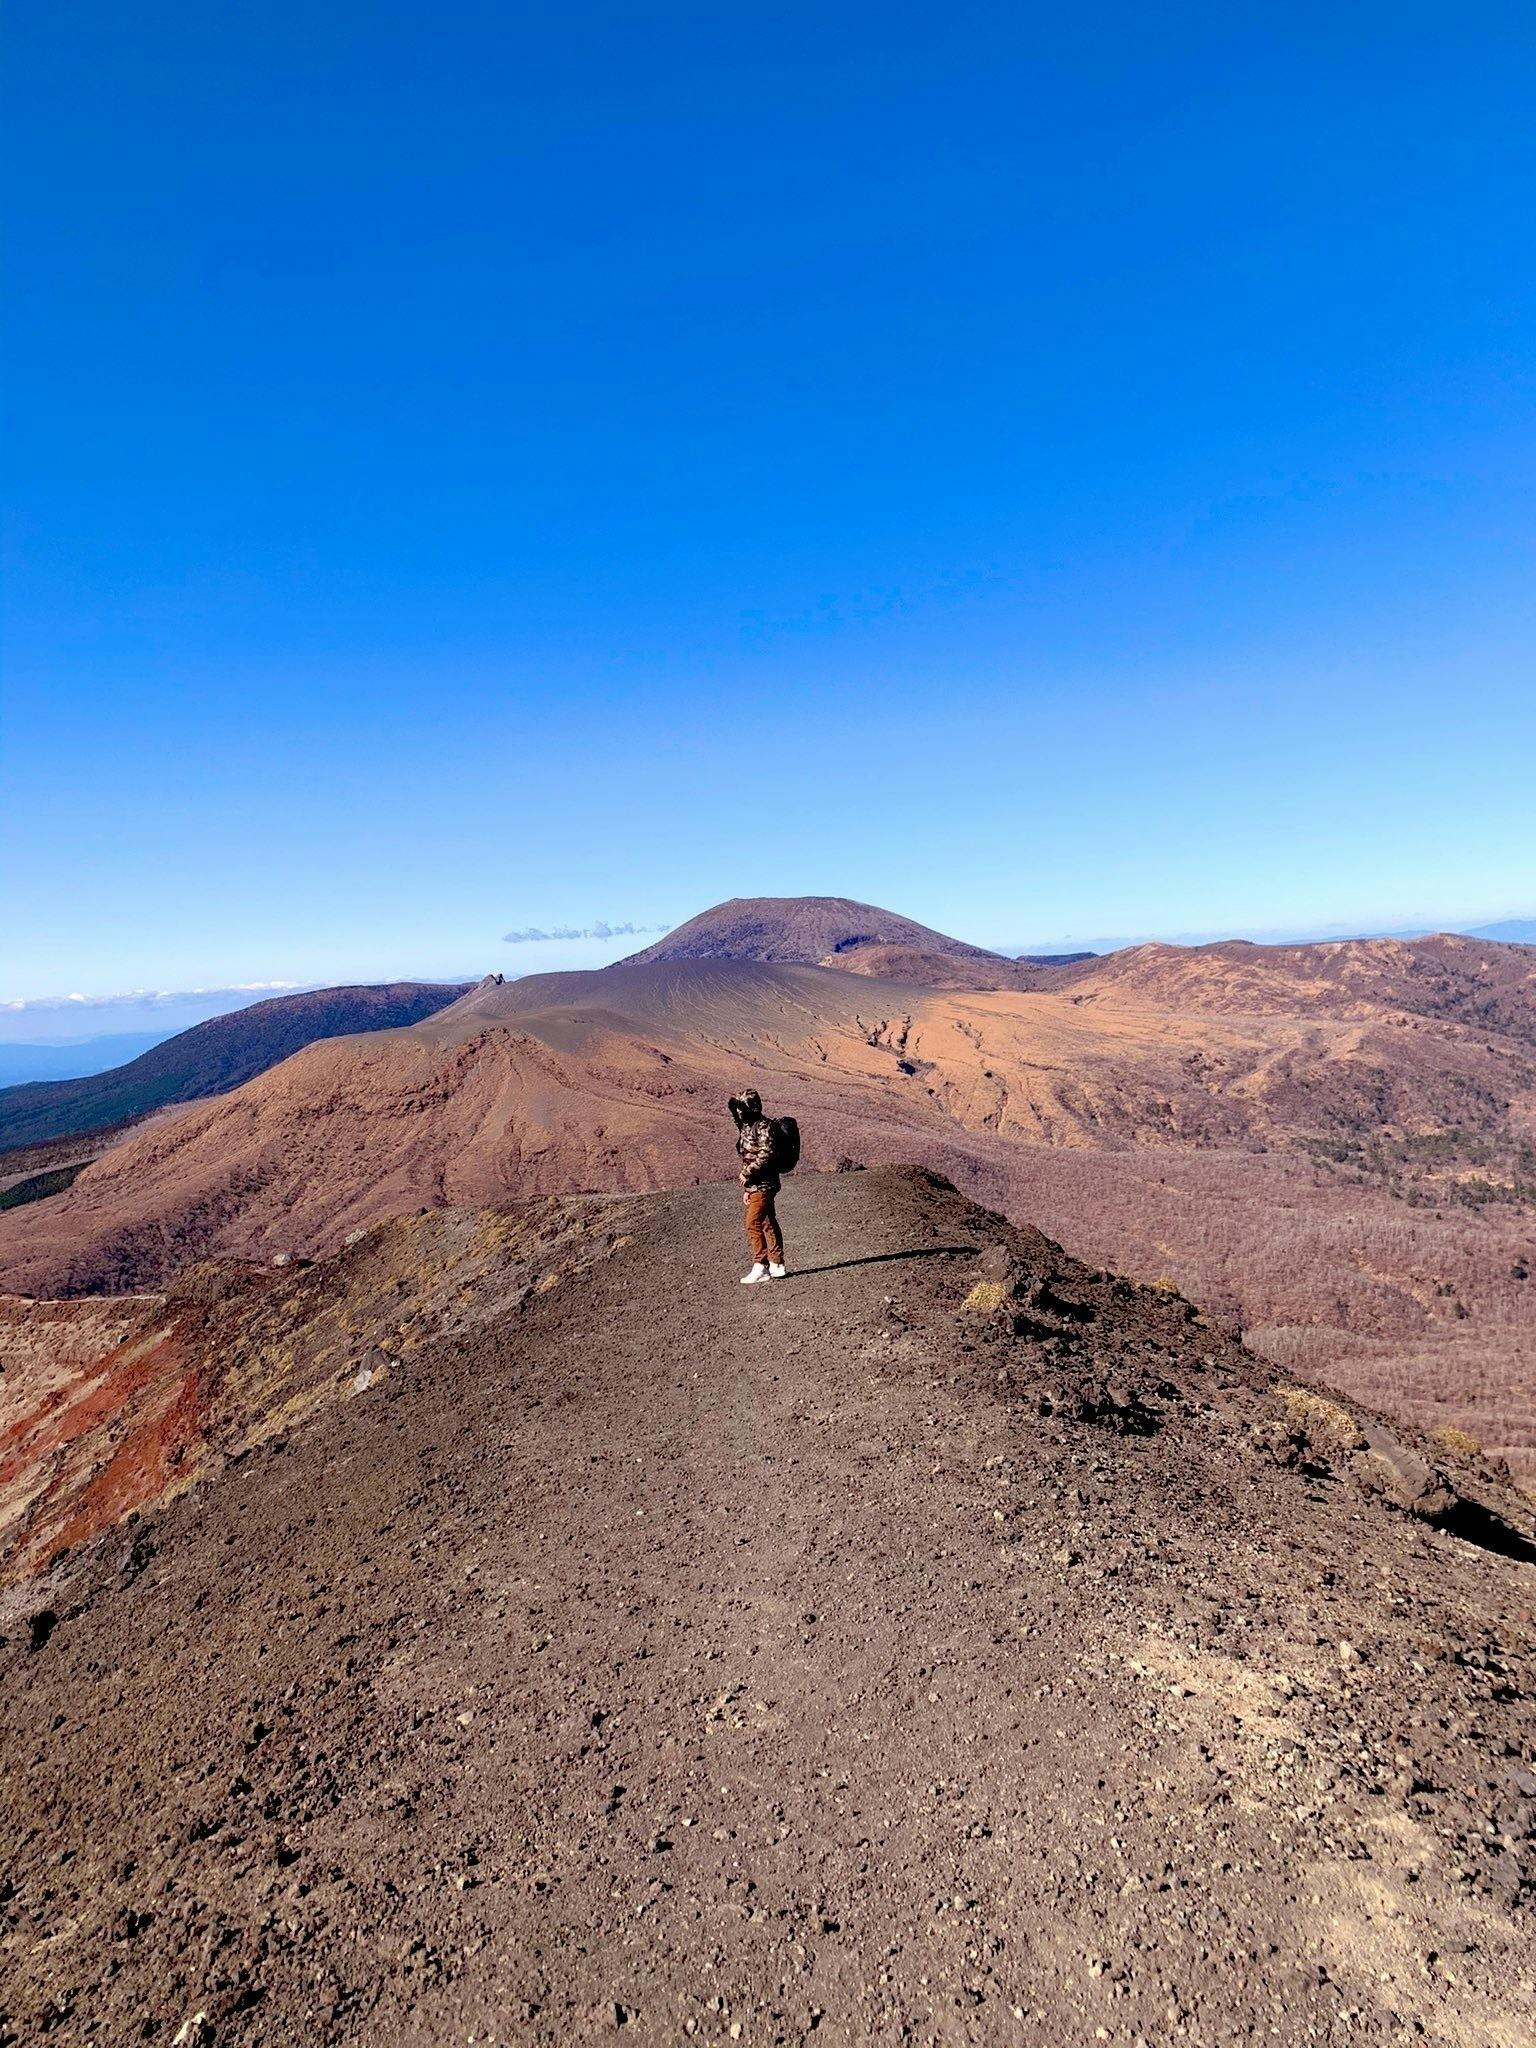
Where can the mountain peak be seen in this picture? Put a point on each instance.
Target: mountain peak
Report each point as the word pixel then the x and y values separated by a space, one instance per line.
pixel 808 930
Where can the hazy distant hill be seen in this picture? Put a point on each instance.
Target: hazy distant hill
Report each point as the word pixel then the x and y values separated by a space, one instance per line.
pixel 210 1058
pixel 33 1061
pixel 1513 931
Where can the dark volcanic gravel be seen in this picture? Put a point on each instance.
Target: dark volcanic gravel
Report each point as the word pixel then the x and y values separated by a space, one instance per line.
pixel 832 1657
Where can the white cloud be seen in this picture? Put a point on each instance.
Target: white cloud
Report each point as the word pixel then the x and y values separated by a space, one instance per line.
pixel 533 936
pixel 144 998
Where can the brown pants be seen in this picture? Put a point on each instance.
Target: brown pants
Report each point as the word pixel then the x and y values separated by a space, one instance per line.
pixel 763 1227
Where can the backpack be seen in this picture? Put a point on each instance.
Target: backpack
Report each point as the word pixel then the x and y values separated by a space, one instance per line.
pixel 786 1143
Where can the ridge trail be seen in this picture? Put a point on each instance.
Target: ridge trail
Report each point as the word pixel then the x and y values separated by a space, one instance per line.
pixel 743 1665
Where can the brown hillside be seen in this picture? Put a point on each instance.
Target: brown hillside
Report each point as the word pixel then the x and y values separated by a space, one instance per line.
pixel 1476 982
pixel 1353 1189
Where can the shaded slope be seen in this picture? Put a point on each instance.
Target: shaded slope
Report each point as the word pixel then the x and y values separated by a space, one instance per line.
pixel 917 969
pixel 949 1644
pixel 209 1058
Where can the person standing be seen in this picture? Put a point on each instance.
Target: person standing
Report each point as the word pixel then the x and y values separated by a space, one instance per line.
pixel 756 1146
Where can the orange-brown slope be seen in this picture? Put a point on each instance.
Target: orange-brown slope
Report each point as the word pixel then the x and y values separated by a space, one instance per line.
pixel 612 1080
pixel 615 1080
pixel 1317 1177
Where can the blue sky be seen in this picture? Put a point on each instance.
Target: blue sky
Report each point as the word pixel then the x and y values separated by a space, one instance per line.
pixel 1056 474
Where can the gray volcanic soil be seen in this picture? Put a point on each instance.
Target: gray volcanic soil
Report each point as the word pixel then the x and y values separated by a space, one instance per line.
pixel 740 1665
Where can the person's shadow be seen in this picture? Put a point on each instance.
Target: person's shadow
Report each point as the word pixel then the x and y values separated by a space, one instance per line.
pixel 927 1251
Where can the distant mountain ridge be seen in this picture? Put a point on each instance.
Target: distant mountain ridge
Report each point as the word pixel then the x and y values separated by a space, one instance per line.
pixel 1509 931
pixel 1487 984
pixel 210 1058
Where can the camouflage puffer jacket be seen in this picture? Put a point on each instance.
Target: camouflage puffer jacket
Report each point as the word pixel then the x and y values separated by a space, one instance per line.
pixel 754 1145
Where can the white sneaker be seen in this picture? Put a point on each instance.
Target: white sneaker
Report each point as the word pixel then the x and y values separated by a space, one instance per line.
pixel 778 1272
pixel 757 1273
